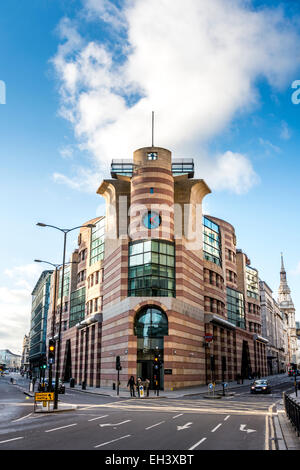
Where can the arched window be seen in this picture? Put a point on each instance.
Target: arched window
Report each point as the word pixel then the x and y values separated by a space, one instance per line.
pixel 151 322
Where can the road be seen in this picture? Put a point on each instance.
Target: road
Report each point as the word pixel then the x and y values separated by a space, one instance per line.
pixel 239 422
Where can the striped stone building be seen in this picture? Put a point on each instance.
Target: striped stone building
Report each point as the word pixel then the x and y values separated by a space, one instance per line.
pixel 156 277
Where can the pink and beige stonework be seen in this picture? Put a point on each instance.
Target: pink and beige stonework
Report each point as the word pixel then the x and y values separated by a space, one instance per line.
pixel 199 306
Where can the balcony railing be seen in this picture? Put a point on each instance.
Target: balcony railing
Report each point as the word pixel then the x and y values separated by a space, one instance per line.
pixel 125 167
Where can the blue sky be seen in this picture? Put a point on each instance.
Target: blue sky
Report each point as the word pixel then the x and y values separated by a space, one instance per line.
pixel 57 129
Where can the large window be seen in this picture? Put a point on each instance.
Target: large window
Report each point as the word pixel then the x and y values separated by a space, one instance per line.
pixel 212 242
pixel 67 276
pixel 252 282
pixel 235 308
pixel 151 269
pixel 97 241
pixel 151 322
pixel 77 306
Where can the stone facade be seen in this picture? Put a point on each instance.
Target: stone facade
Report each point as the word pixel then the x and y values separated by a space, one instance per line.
pixel 190 291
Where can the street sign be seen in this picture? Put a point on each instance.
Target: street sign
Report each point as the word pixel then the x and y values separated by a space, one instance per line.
pixel 208 338
pixel 141 391
pixel 44 396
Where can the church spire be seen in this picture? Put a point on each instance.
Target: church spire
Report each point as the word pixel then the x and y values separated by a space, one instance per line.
pixel 282 271
pixel 282 265
pixel 284 292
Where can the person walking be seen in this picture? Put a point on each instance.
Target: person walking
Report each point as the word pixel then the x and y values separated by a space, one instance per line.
pixel 138 384
pixel 147 386
pixel 131 384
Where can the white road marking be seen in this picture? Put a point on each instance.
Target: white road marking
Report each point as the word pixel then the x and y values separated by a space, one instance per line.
pixel 157 424
pixel 9 440
pixel 197 444
pixel 177 416
pixel 185 426
pixel 213 430
pixel 116 424
pixel 242 428
pixel 114 440
pixel 98 417
pixel 228 416
pixel 62 427
pixel 19 419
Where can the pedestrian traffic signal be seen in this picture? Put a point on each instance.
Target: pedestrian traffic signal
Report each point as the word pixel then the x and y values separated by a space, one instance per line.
pixel 51 349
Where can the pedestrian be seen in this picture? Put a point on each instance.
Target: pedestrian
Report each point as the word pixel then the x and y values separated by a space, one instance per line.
pixel 138 384
pixel 131 384
pixel 147 386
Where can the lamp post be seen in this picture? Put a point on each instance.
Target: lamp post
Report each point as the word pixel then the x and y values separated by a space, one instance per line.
pixel 65 232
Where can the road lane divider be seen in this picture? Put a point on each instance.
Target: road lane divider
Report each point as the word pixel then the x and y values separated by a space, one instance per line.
pixel 61 427
pixel 217 427
pixel 114 440
pixel 197 444
pixel 98 417
pixel 153 425
pixel 10 440
pixel 23 417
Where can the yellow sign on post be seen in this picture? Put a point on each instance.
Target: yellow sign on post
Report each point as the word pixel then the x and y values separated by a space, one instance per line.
pixel 44 396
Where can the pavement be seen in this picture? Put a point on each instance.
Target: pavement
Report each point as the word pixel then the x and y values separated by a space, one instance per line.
pixel 286 436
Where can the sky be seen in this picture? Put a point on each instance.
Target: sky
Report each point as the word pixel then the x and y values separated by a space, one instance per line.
pixel 81 79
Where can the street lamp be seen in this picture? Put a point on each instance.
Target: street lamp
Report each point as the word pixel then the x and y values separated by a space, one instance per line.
pixel 65 231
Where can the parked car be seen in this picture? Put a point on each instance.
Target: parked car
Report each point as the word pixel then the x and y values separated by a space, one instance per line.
pixel 43 386
pixel 260 386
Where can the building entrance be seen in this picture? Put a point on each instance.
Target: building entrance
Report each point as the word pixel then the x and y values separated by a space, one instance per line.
pixel 151 325
pixel 145 359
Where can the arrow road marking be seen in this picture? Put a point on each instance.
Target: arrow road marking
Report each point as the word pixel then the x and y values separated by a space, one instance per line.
pixel 185 426
pixel 242 428
pixel 117 424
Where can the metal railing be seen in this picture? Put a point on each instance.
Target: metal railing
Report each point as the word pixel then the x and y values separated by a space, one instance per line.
pixel 292 409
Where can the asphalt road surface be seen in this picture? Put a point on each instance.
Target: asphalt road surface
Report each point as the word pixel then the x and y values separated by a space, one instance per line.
pixel 240 422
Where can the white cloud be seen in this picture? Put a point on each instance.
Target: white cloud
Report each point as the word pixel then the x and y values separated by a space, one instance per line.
pixel 268 146
pixel 85 180
pixel 27 271
pixel 285 133
pixel 196 64
pixel 231 171
pixel 15 305
pixel 296 271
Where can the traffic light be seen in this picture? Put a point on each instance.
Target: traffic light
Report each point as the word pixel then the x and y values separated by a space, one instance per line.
pixel 156 362
pixel 118 363
pixel 43 363
pixel 51 350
